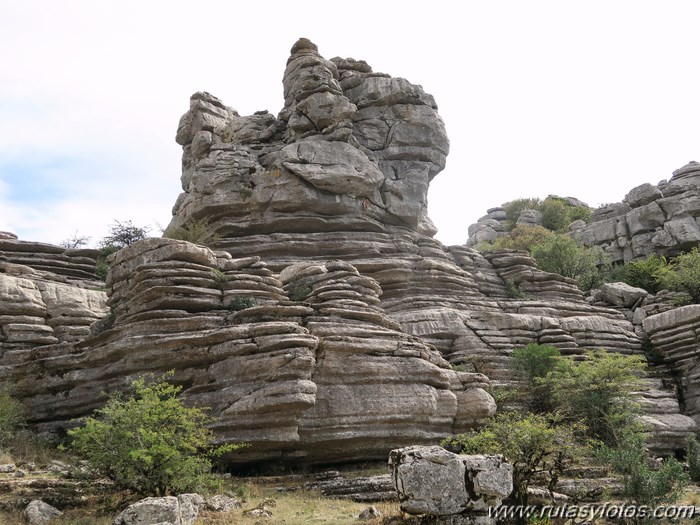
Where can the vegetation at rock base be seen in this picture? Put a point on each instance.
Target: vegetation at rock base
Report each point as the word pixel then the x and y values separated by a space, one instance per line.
pixel 11 415
pixel 532 364
pixel 514 208
pixel 644 273
pixel 643 483
pixel 522 237
pixel 242 303
pixel 576 409
pixel 534 444
pixel 598 392
pixel 150 442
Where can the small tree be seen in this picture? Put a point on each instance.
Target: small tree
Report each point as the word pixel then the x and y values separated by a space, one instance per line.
pixel 683 275
pixel 532 364
pixel 555 214
pixel 561 254
pixel 149 442
pixel 532 443
pixel 598 392
pixel 121 235
pixel 75 242
pixel 11 415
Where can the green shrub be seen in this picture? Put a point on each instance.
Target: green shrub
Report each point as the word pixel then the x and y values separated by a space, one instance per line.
pixel 597 392
pixel 532 364
pixel 561 254
pixel 300 290
pixel 645 273
pixel 522 237
pixel 513 290
pixel 241 303
pixel 149 442
pixel 532 443
pixel 644 484
pixel 11 415
pixel 555 214
pixel 514 208
pixel 683 275
pixel 692 454
pixel 194 231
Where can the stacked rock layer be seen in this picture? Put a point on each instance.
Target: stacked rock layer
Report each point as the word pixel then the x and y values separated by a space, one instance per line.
pixel 323 325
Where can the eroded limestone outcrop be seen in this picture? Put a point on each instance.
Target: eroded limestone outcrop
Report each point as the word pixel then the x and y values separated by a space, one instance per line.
pixel 323 324
pixel 662 219
pixel 48 294
pixel 326 376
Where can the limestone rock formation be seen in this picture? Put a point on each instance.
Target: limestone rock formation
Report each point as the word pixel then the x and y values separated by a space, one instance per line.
pixel 323 323
pixel 47 294
pixel 662 219
pixel 435 482
pixel 325 376
pixel 676 335
pixel 168 510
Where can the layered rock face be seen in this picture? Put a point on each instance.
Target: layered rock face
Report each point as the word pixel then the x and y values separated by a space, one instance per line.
pixel 342 174
pixel 323 325
pixel 326 376
pixel 47 294
pixel 662 219
pixel 676 335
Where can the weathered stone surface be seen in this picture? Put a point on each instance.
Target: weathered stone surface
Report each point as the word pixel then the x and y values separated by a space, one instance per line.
pixel 622 294
pixel 323 325
pixel 434 481
pixel 222 503
pixel 676 335
pixel 169 510
pixel 39 513
pixel 662 219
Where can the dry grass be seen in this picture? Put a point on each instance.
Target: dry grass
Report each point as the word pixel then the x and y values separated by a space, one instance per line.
pixel 297 507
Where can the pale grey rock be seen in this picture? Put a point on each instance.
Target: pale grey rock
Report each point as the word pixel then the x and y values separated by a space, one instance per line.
pixel 674 333
pixel 222 503
pixel 370 513
pixel 436 482
pixel 169 510
pixel 641 195
pixel 530 217
pixel 7 468
pixel 333 166
pixel 39 513
pixel 685 232
pixel 622 294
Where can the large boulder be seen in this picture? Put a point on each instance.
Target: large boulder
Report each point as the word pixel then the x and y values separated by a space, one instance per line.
pixel 40 513
pixel 436 482
pixel 169 510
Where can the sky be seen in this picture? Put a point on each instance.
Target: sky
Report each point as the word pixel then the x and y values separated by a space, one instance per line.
pixel 585 99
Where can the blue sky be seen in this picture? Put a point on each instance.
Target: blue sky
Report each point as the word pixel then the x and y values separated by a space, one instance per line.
pixel 587 99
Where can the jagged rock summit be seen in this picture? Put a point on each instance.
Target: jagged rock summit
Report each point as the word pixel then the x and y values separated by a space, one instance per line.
pixel 323 321
pixel 351 150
